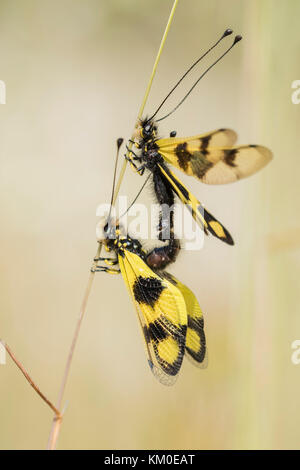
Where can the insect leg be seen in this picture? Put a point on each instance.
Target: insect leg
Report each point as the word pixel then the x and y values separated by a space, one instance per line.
pixel 134 143
pixel 108 261
pixel 100 269
pixel 141 169
pixel 132 164
pixel 131 152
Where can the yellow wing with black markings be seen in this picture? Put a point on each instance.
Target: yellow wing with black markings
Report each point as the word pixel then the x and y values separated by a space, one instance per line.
pixel 217 138
pixel 162 314
pixel 206 220
pixel 195 344
pixel 212 158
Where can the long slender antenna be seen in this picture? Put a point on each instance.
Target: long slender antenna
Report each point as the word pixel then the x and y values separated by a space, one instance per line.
pixel 138 194
pixel 226 33
pixel 236 40
pixel 119 143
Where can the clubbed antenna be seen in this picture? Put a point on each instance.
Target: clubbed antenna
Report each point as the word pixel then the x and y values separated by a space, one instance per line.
pixel 227 32
pixel 236 40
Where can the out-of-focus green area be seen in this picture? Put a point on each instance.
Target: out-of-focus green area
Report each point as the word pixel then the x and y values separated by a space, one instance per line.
pixel 75 74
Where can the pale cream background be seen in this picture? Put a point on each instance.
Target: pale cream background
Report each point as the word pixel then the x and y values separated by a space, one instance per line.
pixel 75 74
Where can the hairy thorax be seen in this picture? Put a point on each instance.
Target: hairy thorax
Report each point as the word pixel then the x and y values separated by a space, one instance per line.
pixel 150 155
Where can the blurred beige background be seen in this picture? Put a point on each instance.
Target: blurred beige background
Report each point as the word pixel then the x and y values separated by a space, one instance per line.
pixel 75 74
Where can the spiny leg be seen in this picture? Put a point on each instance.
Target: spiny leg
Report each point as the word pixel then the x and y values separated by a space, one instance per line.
pixel 130 160
pixel 100 269
pixel 131 152
pixel 109 261
pixel 133 142
pixel 140 169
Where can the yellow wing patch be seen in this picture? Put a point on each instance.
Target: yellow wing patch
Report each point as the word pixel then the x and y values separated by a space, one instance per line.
pixel 218 229
pixel 217 138
pixel 162 314
pixel 195 346
pixel 213 160
pixel 206 220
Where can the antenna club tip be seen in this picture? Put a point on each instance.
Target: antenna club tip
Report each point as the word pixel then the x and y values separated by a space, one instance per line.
pixel 237 38
pixel 227 32
pixel 120 142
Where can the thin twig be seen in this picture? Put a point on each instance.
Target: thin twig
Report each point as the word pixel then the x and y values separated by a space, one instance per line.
pixel 56 424
pixel 58 416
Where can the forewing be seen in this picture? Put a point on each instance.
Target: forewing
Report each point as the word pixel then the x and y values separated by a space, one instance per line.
pixel 216 164
pixel 217 138
pixel 162 314
pixel 195 345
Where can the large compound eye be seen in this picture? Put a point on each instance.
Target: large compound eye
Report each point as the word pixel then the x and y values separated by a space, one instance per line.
pixel 105 228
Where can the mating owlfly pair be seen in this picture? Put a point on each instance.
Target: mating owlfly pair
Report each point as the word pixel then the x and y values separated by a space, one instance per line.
pixel 168 312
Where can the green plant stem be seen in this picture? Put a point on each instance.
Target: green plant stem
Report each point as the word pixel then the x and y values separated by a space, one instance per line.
pixel 141 110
